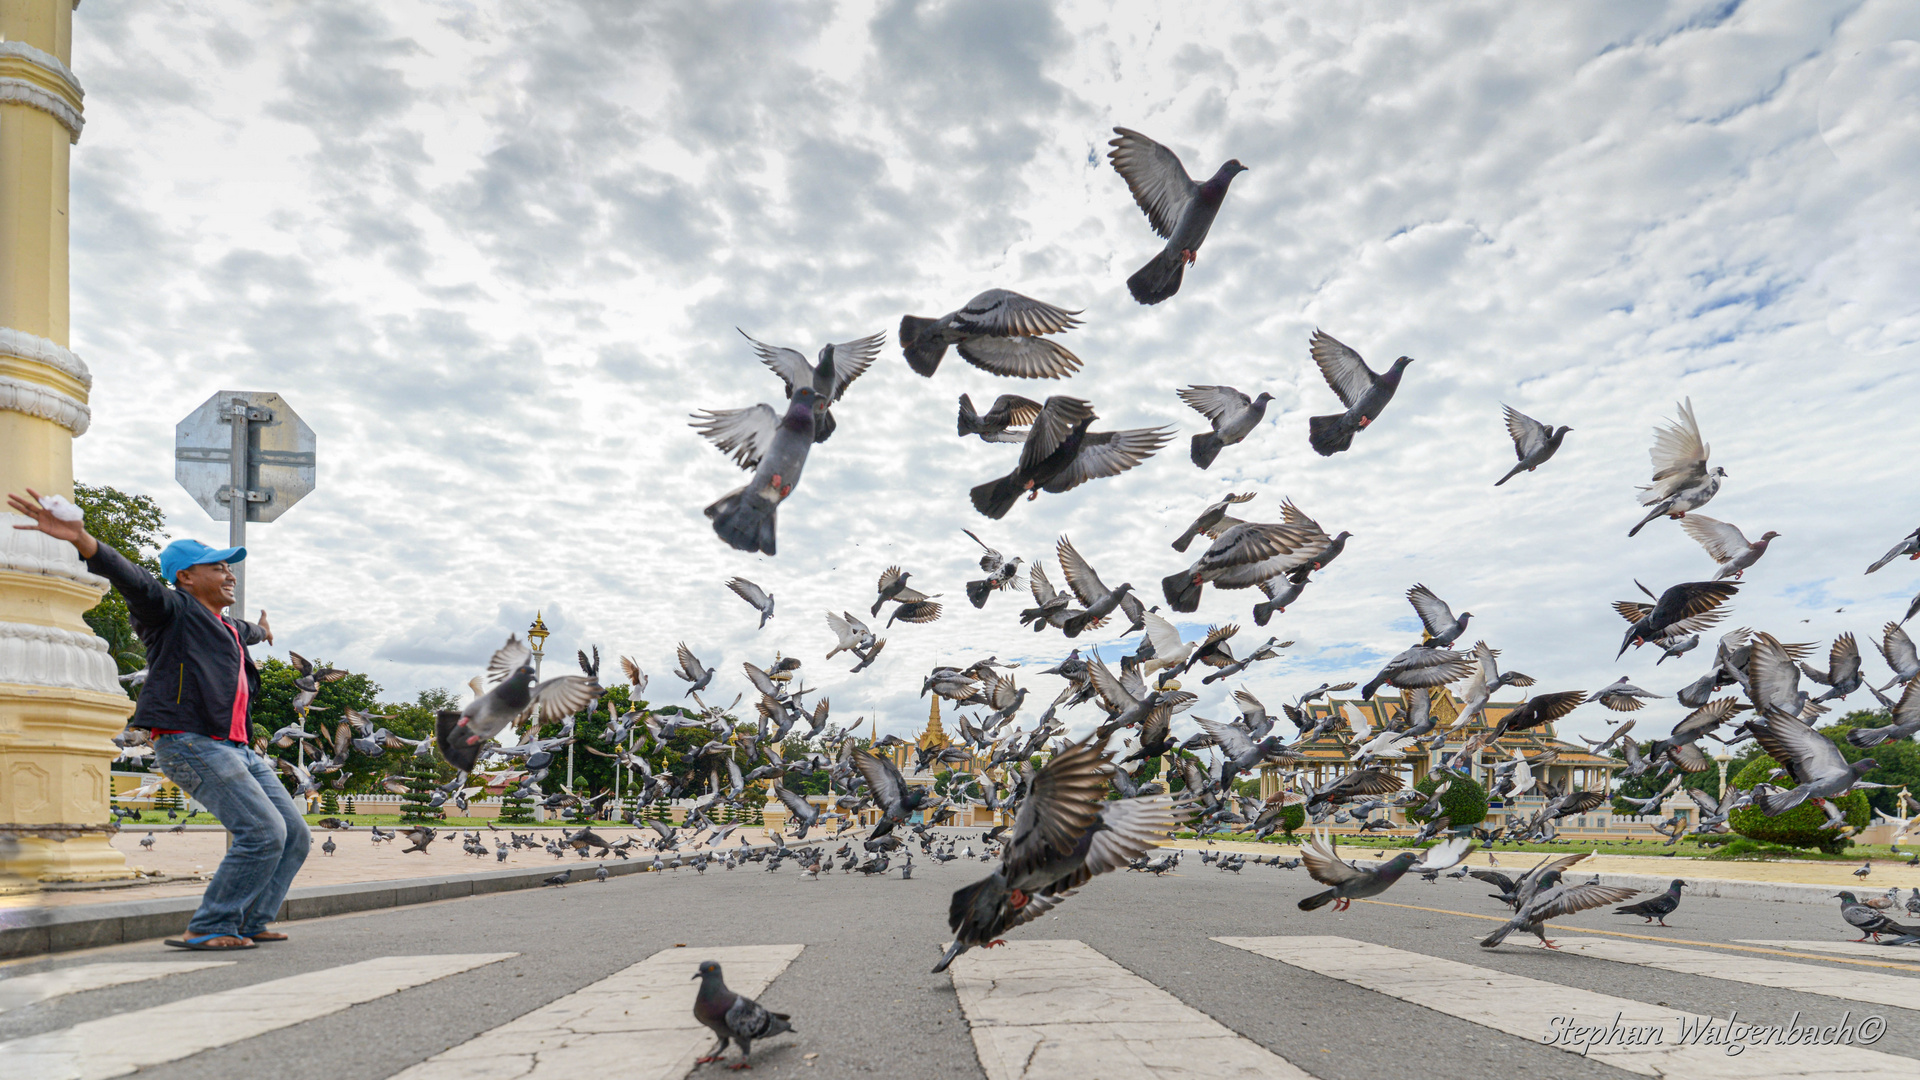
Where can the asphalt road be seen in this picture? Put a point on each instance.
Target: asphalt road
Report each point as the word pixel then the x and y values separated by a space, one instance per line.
pixel 864 1002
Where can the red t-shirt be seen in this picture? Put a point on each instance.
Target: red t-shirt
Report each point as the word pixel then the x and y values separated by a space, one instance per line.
pixel 238 732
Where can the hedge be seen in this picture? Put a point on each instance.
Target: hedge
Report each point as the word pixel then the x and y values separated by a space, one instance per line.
pixel 1464 804
pixel 1804 826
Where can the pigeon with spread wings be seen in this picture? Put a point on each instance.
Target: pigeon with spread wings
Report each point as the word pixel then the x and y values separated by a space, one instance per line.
pixel 1686 608
pixel 1681 480
pixel 760 599
pixel 1179 210
pixel 839 365
pixel 462 734
pixel 999 331
pixel 1061 453
pixel 1726 544
pixel 1359 388
pixel 775 447
pixel 1533 442
pixel 1006 421
pixel 1233 415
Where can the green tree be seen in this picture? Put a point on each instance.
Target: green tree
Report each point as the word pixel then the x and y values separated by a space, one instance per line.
pixel 1804 826
pixel 132 525
pixel 1464 804
pixel 516 808
pixel 416 808
pixel 1650 783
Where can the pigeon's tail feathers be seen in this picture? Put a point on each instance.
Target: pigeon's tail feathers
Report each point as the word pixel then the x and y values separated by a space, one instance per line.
pixel 953 950
pixel 1775 803
pixel 1366 692
pixel 1182 593
pixel 1206 447
pixel 978 591
pixel 1654 513
pixel 1865 737
pixel 969 420
pixel 1319 900
pixel 1498 936
pixel 1159 279
pixel 1329 434
pixel 1262 612
pixel 923 355
pixel 996 497
pixel 1511 473
pixel 745 521
pixel 452 741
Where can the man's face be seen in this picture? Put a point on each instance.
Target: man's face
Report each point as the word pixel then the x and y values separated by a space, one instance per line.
pixel 209 583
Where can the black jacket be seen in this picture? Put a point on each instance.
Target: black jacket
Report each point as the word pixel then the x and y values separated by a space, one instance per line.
pixel 192 666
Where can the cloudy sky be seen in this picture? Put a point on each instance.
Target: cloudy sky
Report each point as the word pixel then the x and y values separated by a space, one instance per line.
pixel 495 254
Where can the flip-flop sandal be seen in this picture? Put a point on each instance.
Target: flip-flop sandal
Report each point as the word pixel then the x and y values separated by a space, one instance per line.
pixel 201 943
pixel 266 935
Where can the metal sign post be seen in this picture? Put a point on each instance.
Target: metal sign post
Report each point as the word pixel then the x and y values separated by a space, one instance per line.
pixel 245 448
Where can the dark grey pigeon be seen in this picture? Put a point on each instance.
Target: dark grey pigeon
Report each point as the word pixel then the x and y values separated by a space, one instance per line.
pixel 1278 597
pixel 732 1017
pixel 1177 208
pixel 1363 392
pixel 1688 607
pixel 1210 519
pixel 1233 415
pixel 1349 883
pixel 1842 676
pixel 776 449
pixel 1910 547
pixel 692 670
pixel 1656 907
pixel 1442 628
pixel 1061 453
pixel 998 331
pixel 1906 721
pixel 839 366
pixel 461 735
pixel 1006 421
pixel 1533 442
pixel 1819 772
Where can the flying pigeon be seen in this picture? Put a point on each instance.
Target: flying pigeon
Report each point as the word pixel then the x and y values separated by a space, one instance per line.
pixel 1622 696
pixel 776 449
pixel 1179 210
pixel 1209 521
pixel 692 670
pixel 308 683
pixel 1363 392
pixel 1006 421
pixel 1533 441
pixel 914 605
pixel 1233 415
pixel 1061 453
pixel 1438 619
pixel 839 366
pixel 1910 547
pixel 1726 544
pixel 760 599
pixel 460 735
pixel 1349 883
pixel 1814 762
pixel 1681 480
pixel 999 331
pixel 1686 608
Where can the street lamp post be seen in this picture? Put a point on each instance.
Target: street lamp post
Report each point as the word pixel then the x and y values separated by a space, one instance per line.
pixel 537 637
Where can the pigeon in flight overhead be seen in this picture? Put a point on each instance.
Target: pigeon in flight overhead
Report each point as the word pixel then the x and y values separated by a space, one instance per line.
pixel 839 366
pixel 1099 601
pixel 692 670
pixel 914 605
pixel 761 599
pixel 1002 573
pixel 1006 421
pixel 1278 594
pixel 776 449
pixel 1363 392
pixel 999 331
pixel 1899 652
pixel 1818 770
pixel 850 633
pixel 1622 696
pixel 1441 625
pixel 1244 554
pixel 1681 480
pixel 1910 547
pixel 1061 453
pixel 1233 415
pixel 733 1017
pixel 1686 608
pixel 1843 675
pixel 1419 668
pixel 1179 210
pixel 1208 522
pixel 308 683
pixel 461 735
pixel 1906 721
pixel 1533 442
pixel 1727 545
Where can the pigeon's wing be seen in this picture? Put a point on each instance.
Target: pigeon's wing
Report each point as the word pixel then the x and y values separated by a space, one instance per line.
pixel 1215 402
pixel 633 673
pixel 1233 740
pixel 1129 829
pixel 1057 419
pixel 1159 183
pixel 1632 610
pixel 1063 801
pixel 761 680
pixel 1108 685
pixel 1020 357
pixel 1433 611
pixel 1325 864
pixel 1086 584
pixel 889 577
pixel 564 695
pixel 1021 411
pixel 1343 369
pixel 851 359
pixel 748 591
pixel 1568 899
pixel 1485 672
pixel 883 779
pixel 1042 589
pixel 1164 636
pixel 1772 677
pixel 508 659
pixel 1806 753
pixel 1898 648
pixel 1529 435
pixel 1494 878
pixel 1722 541
pixel 1708 805
pixel 1005 313
pixel 1679 457
pixel 744 434
pixel 300 663
pixel 792 367
pixel 1109 453
pixel 919 611
pixel 690 667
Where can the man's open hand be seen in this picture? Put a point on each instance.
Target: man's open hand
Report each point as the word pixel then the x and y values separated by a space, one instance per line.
pixel 73 532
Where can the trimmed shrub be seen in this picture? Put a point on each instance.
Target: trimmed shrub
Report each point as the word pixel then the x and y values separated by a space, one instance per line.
pixel 1291 818
pixel 1464 804
pixel 1804 826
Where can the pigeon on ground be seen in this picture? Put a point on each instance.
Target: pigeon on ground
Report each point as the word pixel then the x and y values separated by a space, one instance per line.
pixel 760 599
pixel 1006 421
pixel 420 837
pixel 999 331
pixel 328 847
pixel 732 1017
pixel 1622 696
pixel 1813 761
pixel 1363 392
pixel 1681 480
pixel 1910 547
pixel 1869 922
pixel 692 670
pixel 1233 415
pixel 1727 544
pixel 147 841
pixel 1061 453
pixel 460 735
pixel 839 366
pixel 775 447
pixel 1656 907
pixel 1688 607
pixel 1438 619
pixel 1209 521
pixel 1179 210
pixel 1533 442
pixel 1349 883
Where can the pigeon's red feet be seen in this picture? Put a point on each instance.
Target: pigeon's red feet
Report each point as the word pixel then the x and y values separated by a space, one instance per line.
pixel 1188 257
pixel 1365 420
pixel 1548 944
pixel 995 941
pixel 1663 922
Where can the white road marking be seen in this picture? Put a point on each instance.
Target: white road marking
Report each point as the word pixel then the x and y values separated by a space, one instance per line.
pixel 1894 954
pixel 1846 983
pixel 636 1024
pixel 1529 1009
pixel 23 990
pixel 1044 1009
pixel 117 1045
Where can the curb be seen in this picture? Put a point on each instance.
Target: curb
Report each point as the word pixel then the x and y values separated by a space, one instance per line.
pixel 41 931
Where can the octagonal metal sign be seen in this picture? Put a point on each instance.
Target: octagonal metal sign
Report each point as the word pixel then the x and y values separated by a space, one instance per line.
pixel 279 465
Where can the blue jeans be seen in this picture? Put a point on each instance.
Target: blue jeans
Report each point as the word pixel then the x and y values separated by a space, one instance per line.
pixel 270 838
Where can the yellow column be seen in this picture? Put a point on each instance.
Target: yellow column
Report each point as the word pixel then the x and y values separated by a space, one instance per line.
pixel 59 703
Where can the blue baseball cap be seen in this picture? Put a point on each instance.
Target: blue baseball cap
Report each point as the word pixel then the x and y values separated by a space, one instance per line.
pixel 181 554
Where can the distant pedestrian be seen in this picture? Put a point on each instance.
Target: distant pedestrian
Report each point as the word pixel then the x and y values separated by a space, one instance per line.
pixel 197 702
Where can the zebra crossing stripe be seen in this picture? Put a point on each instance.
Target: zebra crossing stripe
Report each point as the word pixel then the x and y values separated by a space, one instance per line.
pixel 1870 987
pixel 1627 1034
pixel 1849 948
pixel 1060 1009
pixel 117 1045
pixel 24 990
pixel 636 1024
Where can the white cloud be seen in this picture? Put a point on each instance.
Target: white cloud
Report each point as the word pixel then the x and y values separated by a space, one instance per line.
pixel 495 254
